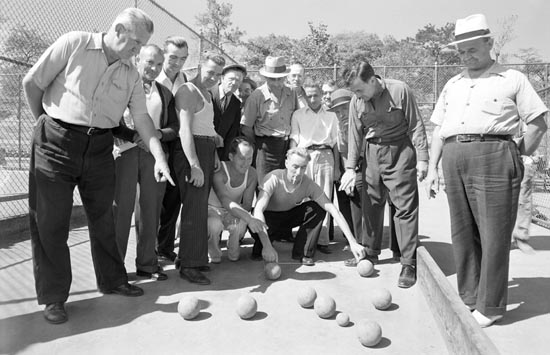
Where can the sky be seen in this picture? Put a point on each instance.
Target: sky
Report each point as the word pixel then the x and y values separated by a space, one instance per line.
pixel 399 18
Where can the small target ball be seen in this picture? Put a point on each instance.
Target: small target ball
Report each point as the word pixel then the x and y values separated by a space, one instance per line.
pixel 307 296
pixel 189 307
pixel 381 298
pixel 365 268
pixel 369 332
pixel 246 307
pixel 272 271
pixel 342 319
pixel 324 306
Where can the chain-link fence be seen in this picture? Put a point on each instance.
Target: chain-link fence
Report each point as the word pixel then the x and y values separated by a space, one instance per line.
pixel 27 28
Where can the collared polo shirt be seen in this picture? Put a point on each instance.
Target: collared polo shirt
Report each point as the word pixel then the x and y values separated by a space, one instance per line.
pixel 494 103
pixel 314 128
pixel 269 116
pixel 391 115
pixel 172 86
pixel 81 88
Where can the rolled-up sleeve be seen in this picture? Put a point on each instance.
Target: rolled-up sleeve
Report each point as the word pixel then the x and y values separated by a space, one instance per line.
pixel 355 134
pixel 251 109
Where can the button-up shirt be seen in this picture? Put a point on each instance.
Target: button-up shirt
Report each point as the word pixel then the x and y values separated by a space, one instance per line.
pixel 269 116
pixel 172 86
pixel 314 128
pixel 81 88
pixel 391 115
pixel 494 103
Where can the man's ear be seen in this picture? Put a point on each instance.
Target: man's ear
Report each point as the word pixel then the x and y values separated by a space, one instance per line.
pixel 119 29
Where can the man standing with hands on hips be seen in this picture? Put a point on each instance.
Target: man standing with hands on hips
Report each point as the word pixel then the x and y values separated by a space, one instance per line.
pixel 78 91
pixel 476 116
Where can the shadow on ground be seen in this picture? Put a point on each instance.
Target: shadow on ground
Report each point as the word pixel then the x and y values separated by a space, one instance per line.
pixel 531 293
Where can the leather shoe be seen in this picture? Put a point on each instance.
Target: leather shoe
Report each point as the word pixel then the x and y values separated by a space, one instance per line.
pixel 156 275
pixel 407 277
pixel 125 290
pixel 194 275
pixel 307 261
pixel 324 249
pixel 168 256
pixel 203 268
pixel 55 313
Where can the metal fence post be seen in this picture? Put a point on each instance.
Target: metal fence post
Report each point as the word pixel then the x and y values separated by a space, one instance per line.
pixel 335 72
pixel 19 89
pixel 436 81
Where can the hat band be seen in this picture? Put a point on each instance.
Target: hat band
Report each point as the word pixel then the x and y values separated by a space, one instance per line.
pixel 275 70
pixel 472 34
pixel 340 100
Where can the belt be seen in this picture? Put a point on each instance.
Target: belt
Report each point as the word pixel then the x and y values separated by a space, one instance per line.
pixel 382 140
pixel 90 131
pixel 466 138
pixel 319 147
pixel 210 138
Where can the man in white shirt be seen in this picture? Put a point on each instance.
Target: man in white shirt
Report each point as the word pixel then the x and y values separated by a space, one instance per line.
pixel 316 129
pixel 175 55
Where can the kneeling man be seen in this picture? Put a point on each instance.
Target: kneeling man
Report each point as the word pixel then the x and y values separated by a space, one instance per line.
pixel 288 198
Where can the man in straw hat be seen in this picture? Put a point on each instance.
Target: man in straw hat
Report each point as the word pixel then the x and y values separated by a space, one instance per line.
pixel 266 118
pixel 476 116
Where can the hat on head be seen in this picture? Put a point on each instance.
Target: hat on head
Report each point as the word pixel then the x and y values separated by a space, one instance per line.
pixel 340 97
pixel 470 28
pixel 275 67
pixel 234 67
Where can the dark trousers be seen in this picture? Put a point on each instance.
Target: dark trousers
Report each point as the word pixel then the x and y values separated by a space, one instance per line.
pixel 270 155
pixel 170 210
pixel 482 183
pixel 60 160
pixel 193 250
pixel 308 216
pixel 390 172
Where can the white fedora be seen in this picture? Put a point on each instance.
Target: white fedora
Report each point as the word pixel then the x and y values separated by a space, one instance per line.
pixel 470 28
pixel 275 67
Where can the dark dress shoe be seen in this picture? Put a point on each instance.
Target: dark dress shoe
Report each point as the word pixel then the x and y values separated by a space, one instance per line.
pixel 324 249
pixel 125 290
pixel 194 275
pixel 157 275
pixel 204 268
pixel 55 313
pixel 407 277
pixel 171 256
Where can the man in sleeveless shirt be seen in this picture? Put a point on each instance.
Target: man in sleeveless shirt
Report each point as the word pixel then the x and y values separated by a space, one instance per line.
pixel 195 160
pixel 231 200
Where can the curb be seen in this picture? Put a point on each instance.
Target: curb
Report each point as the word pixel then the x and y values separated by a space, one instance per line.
pixel 459 330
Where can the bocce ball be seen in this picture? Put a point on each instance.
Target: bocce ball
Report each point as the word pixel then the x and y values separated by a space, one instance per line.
pixel 246 307
pixel 369 332
pixel 189 307
pixel 324 306
pixel 381 298
pixel 342 319
pixel 272 271
pixel 307 296
pixel 365 268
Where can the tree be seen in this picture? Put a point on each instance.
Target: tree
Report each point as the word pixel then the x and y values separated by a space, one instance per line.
pixel 435 39
pixel 357 46
pixel 505 35
pixel 216 24
pixel 24 44
pixel 260 47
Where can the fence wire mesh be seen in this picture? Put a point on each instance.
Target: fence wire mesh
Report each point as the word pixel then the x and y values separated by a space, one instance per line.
pixel 24 35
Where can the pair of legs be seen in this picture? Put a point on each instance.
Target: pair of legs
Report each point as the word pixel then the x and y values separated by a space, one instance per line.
pixel 525 201
pixel 62 159
pixel 218 221
pixel 135 167
pixel 270 155
pixel 482 183
pixel 308 216
pixel 321 170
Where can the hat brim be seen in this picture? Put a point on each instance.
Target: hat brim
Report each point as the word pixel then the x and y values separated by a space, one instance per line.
pixel 274 75
pixel 453 44
pixel 331 108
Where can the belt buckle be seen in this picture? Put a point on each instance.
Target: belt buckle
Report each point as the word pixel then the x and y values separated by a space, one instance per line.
pixel 463 138
pixel 90 131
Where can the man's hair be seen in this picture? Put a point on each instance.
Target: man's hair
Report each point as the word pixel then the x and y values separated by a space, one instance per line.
pixel 133 17
pixel 151 47
pixel 235 142
pixel 177 41
pixel 363 71
pixel 309 83
pixel 301 152
pixel 251 82
pixel 216 58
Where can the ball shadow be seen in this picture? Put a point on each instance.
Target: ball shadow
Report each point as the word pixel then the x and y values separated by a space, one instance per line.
pixel 258 316
pixel 392 307
pixel 201 316
pixel 384 343
pixel 204 304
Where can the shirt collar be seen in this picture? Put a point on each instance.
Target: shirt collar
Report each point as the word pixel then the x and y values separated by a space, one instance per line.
pixel 222 93
pixel 495 69
pixel 96 43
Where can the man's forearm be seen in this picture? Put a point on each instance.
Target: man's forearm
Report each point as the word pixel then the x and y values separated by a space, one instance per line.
pixel 146 129
pixel 436 150
pixel 340 220
pixel 533 135
pixel 248 132
pixel 188 145
pixel 34 96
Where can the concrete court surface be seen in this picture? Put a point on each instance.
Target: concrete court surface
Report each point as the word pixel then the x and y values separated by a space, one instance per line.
pixel 110 324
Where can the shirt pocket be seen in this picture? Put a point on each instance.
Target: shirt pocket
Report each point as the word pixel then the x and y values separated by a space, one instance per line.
pixel 492 106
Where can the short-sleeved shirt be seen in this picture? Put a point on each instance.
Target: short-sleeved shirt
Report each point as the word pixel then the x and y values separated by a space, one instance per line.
pixel 283 199
pixel 391 115
pixel 172 86
pixel 494 103
pixel 314 128
pixel 269 116
pixel 81 88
